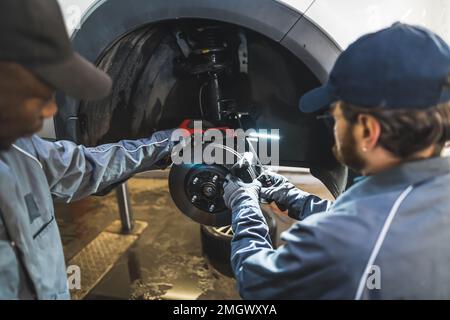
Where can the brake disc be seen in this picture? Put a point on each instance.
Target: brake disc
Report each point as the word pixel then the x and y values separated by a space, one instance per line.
pixel 197 190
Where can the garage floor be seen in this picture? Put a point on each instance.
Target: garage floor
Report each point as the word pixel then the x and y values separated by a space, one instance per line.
pixel 166 261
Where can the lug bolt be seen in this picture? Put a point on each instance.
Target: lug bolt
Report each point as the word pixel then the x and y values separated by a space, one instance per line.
pixel 194 198
pixel 214 179
pixel 195 180
pixel 211 208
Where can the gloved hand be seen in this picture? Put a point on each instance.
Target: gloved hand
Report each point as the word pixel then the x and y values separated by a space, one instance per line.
pixel 236 191
pixel 275 187
pixel 298 203
pixel 242 167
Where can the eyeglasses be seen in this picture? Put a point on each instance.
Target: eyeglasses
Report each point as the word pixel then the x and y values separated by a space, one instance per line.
pixel 326 116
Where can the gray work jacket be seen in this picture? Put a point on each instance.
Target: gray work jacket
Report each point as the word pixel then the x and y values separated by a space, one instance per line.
pixel 35 172
pixel 387 237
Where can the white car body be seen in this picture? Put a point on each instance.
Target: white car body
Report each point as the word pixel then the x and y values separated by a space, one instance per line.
pixel 343 21
pixel 346 20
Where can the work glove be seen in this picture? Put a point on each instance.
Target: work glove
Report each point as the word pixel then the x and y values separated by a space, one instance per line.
pixel 243 166
pixel 236 192
pixel 298 203
pixel 275 187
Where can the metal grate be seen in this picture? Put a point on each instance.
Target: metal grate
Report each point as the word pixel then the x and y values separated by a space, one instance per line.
pixel 99 256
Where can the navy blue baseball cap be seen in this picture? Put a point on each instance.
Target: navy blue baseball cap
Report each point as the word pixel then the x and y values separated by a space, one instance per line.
pixel 399 67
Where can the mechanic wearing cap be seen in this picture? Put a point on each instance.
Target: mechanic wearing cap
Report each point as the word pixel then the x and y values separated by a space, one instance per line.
pixel 387 237
pixel 35 59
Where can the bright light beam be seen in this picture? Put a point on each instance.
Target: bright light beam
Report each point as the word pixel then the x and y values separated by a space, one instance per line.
pixel 264 136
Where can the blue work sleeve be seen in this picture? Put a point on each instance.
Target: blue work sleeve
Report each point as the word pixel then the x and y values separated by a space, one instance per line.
pixel 74 171
pixel 305 267
pixel 301 204
pixel 251 232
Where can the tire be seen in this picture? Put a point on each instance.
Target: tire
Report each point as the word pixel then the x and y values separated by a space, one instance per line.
pixel 216 243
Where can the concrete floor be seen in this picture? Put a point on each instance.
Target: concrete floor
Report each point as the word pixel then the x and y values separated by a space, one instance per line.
pixel 166 262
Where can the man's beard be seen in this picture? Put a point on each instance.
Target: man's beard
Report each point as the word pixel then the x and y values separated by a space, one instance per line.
pixel 347 154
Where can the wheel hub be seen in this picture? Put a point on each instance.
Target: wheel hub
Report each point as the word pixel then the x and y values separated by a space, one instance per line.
pixel 197 190
pixel 204 188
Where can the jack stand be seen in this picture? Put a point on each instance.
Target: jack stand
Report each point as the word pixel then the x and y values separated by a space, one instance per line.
pixel 125 210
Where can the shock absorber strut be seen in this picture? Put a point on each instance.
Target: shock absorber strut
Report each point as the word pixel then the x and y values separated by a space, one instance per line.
pixel 209 61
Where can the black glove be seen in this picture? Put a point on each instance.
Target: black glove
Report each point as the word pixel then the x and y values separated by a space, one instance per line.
pixel 275 187
pixel 235 191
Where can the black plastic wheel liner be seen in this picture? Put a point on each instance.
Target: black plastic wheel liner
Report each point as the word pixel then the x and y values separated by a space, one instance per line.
pixel 146 94
pixel 149 94
pixel 133 57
